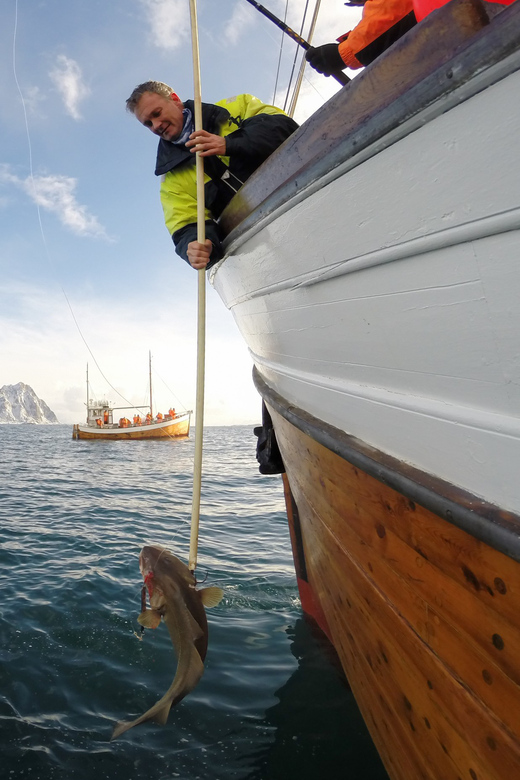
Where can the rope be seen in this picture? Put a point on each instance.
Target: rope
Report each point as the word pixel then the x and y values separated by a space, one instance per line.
pixel 201 322
pixel 280 56
pixel 297 86
pixel 295 56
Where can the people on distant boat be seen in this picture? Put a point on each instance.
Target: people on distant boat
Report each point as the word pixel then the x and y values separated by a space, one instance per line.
pixel 124 422
pixel 171 413
pixel 160 418
pixel 137 419
pixel 382 24
pixel 238 135
pixel 99 422
pixel 105 417
pixel 148 419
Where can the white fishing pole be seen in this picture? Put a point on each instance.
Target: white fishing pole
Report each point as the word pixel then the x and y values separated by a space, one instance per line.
pixel 201 317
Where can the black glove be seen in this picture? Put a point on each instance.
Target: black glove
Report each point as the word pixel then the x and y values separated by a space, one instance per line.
pixel 325 59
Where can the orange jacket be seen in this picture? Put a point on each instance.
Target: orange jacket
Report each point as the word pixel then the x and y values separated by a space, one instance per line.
pixel 424 7
pixel 382 23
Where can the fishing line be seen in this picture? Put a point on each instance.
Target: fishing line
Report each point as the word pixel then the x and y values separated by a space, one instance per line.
pixel 295 56
pixel 280 53
pixel 44 240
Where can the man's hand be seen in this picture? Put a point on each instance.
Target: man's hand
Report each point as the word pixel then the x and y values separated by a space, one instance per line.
pixel 198 254
pixel 325 59
pixel 206 143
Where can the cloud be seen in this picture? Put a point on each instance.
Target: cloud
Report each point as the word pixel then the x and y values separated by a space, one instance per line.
pixel 169 22
pixel 68 79
pixel 56 194
pixel 241 18
pixel 41 346
pixel 33 98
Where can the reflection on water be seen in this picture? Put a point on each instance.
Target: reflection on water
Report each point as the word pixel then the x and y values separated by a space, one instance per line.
pixel 317 730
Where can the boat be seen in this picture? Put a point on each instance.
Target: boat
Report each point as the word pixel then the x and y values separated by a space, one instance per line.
pixel 101 423
pixel 372 266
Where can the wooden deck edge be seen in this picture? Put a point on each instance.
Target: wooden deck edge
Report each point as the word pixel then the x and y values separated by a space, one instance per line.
pixel 484 521
pixel 369 107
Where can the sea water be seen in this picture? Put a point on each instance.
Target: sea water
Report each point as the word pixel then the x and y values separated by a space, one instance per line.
pixel 272 703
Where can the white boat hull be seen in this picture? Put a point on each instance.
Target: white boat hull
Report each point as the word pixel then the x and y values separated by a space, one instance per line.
pixel 384 300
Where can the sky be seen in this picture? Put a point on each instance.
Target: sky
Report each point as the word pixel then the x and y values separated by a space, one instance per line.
pixel 88 272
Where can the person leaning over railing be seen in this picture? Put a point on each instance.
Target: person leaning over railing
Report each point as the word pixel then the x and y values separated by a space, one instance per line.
pixel 238 135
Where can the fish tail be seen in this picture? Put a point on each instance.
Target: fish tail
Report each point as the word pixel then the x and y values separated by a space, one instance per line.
pixel 182 684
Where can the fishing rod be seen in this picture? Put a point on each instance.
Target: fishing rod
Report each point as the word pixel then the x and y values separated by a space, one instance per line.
pixel 342 78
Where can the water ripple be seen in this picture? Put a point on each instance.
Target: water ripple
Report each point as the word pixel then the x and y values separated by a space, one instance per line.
pixel 74 516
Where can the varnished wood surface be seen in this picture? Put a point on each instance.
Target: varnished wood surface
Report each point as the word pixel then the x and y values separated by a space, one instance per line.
pixel 425 618
pixel 174 430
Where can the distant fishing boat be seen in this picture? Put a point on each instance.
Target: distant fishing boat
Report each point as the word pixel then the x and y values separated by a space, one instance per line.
pixel 102 425
pixel 373 268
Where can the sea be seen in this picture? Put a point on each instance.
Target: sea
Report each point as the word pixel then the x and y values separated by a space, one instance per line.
pixel 272 704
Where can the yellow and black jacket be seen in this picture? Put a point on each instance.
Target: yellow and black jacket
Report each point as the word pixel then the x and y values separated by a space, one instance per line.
pixel 253 130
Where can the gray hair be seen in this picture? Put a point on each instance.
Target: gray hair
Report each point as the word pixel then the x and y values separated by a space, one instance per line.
pixel 159 87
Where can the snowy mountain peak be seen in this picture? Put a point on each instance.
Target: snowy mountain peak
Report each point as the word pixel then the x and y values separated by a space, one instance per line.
pixel 20 404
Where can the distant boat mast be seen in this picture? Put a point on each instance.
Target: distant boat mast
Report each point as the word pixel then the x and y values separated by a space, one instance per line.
pixel 150 372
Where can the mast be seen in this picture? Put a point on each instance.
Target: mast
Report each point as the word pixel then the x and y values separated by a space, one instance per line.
pixel 88 401
pixel 150 372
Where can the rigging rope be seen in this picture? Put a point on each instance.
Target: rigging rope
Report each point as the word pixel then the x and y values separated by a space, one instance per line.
pixel 295 56
pixel 280 55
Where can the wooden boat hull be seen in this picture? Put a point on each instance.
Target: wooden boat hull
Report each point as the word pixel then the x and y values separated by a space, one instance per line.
pixel 169 429
pixel 372 269
pixel 423 614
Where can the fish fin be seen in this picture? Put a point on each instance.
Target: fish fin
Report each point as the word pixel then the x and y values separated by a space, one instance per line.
pixel 211 596
pixel 150 618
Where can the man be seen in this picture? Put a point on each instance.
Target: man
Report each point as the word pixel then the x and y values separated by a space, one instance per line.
pixel 238 135
pixel 382 24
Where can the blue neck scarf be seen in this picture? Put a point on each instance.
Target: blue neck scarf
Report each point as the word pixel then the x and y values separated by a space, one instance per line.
pixel 187 128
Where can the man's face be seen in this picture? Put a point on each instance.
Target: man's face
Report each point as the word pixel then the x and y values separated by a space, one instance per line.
pixel 162 115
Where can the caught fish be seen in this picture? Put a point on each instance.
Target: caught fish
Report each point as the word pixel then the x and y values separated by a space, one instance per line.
pixel 174 599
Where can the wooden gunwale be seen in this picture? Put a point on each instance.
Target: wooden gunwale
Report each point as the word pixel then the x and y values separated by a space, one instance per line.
pixel 432 61
pixel 486 522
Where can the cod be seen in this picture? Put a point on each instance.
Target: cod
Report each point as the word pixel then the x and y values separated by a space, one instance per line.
pixel 174 599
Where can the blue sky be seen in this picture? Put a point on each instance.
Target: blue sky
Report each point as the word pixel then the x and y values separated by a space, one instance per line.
pixel 82 239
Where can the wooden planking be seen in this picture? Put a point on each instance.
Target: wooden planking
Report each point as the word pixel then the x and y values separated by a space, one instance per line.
pixel 363 642
pixel 450 729
pixel 492 623
pixel 381 563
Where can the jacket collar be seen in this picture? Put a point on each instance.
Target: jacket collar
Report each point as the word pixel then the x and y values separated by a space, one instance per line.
pixel 170 155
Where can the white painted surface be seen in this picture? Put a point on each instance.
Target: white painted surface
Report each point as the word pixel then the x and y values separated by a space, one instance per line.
pixel 387 303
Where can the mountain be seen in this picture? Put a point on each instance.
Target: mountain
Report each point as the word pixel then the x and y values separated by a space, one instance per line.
pixel 20 404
